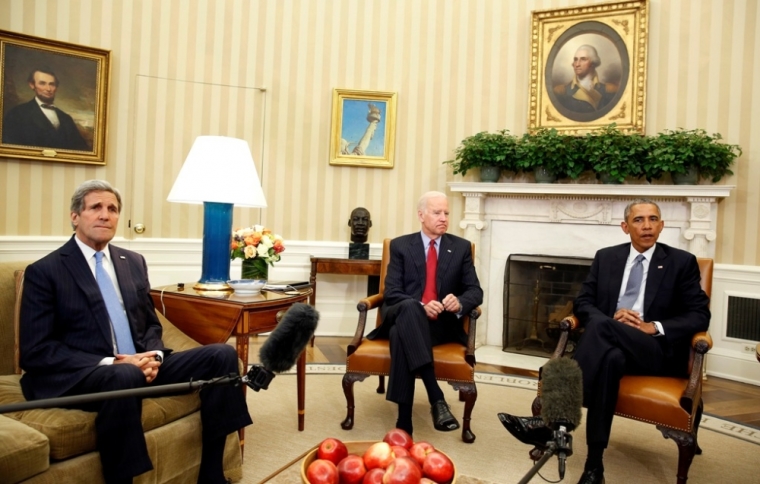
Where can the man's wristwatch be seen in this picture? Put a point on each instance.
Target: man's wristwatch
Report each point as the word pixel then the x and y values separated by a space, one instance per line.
pixel 656 329
pixel 158 358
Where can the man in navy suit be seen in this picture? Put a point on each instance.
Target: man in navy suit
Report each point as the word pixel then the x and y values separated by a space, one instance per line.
pixel 39 122
pixel 68 342
pixel 645 331
pixel 417 315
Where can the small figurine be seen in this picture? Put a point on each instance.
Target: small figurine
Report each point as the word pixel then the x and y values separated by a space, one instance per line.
pixel 360 222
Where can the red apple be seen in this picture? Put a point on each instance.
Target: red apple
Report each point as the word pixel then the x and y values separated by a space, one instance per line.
pixel 379 455
pixel 351 469
pixel 399 437
pixel 332 449
pixel 402 470
pixel 374 476
pixel 322 471
pixel 400 451
pixel 438 467
pixel 419 450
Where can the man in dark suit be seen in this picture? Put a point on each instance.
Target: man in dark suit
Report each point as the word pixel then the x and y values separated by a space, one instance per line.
pixel 418 314
pixel 75 303
pixel 39 122
pixel 640 305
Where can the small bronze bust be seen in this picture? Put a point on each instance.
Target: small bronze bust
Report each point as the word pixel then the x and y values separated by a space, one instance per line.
pixel 360 222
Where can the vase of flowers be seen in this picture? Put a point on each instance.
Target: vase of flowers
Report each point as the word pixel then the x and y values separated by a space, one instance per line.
pixel 259 248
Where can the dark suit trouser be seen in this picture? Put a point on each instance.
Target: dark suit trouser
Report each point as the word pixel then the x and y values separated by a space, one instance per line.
pixel 606 352
pixel 121 441
pixel 411 338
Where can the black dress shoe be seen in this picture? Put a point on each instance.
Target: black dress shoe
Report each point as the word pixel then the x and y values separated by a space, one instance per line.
pixel 528 430
pixel 594 476
pixel 442 418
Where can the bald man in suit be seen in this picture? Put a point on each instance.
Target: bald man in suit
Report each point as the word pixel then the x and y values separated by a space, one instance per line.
pixel 71 343
pixel 418 315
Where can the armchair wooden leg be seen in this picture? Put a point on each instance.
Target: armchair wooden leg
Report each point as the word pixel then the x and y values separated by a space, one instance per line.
pixel 687 446
pixel 697 421
pixel 470 392
pixel 381 384
pixel 348 390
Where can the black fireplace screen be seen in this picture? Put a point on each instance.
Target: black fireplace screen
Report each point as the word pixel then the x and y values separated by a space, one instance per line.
pixel 538 293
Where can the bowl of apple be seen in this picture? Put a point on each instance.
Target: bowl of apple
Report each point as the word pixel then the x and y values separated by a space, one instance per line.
pixel 397 459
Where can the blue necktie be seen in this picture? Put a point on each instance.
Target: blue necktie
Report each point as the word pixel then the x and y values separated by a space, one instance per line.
pixel 115 312
pixel 633 287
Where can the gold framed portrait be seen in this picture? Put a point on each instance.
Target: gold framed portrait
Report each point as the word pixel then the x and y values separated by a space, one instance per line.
pixel 363 128
pixel 588 67
pixel 53 100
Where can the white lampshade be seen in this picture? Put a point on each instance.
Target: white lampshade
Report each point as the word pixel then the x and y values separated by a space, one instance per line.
pixel 218 169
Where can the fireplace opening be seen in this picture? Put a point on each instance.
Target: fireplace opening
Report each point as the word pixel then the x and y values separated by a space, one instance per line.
pixel 538 293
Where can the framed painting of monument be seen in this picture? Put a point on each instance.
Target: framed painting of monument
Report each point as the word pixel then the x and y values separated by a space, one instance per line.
pixel 588 67
pixel 363 128
pixel 53 100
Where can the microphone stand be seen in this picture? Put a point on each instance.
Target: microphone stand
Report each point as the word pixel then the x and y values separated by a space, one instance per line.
pixel 561 444
pixel 257 378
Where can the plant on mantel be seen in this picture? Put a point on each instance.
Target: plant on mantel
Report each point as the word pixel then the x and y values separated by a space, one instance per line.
pixel 485 149
pixel 678 151
pixel 547 149
pixel 614 155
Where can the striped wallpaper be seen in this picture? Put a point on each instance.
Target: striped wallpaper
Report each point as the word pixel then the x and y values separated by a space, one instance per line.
pixel 265 70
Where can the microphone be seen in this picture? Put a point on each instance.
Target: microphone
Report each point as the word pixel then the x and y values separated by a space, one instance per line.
pixel 561 402
pixel 283 346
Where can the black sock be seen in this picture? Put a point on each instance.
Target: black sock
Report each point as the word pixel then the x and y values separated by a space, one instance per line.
pixel 404 421
pixel 594 458
pixel 427 373
pixel 212 456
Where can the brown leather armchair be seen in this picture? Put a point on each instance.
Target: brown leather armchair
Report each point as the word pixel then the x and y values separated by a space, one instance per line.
pixel 453 362
pixel 672 404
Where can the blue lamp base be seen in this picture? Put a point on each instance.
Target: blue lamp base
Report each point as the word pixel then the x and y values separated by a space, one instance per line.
pixel 217 230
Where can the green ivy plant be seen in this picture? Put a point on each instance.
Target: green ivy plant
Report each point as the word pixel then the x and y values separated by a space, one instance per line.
pixel 485 149
pixel 676 151
pixel 615 155
pixel 559 154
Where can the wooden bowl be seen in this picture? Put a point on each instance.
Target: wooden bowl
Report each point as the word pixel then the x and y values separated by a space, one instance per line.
pixel 357 447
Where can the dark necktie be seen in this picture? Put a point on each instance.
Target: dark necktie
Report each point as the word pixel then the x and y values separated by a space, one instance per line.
pixel 47 106
pixel 633 287
pixel 119 320
pixel 432 266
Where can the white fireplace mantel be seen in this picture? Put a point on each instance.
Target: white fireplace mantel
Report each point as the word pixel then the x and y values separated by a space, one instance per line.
pixel 572 219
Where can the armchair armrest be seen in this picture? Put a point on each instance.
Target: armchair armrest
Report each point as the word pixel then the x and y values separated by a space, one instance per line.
pixel 363 306
pixel 471 330
pixel 692 394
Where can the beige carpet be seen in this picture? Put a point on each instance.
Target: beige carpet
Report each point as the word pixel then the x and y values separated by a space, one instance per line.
pixel 638 453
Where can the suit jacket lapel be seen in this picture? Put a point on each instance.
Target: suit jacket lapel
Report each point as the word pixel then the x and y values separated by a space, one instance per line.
pixel 657 269
pixel 126 282
pixel 445 255
pixel 617 269
pixel 80 271
pixel 417 251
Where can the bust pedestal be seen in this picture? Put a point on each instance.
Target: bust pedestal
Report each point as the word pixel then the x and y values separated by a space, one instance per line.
pixel 358 251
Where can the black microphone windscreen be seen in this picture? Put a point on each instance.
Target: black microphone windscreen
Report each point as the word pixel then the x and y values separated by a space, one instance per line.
pixel 561 392
pixel 283 346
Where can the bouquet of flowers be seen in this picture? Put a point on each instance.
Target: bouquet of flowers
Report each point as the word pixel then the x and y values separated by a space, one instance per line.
pixel 258 247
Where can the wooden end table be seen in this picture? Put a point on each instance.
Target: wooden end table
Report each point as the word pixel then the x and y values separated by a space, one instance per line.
pixel 350 267
pixel 213 316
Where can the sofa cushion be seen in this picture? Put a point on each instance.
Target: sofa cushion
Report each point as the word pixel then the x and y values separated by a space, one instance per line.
pixel 23 451
pixel 72 432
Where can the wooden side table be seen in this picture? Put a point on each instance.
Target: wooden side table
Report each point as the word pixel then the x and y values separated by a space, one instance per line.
pixel 351 267
pixel 213 316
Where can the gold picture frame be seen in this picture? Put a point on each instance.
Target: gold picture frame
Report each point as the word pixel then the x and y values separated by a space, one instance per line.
pixel 608 42
pixel 66 122
pixel 363 128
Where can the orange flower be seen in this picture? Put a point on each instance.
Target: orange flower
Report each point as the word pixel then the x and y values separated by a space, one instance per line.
pixel 233 245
